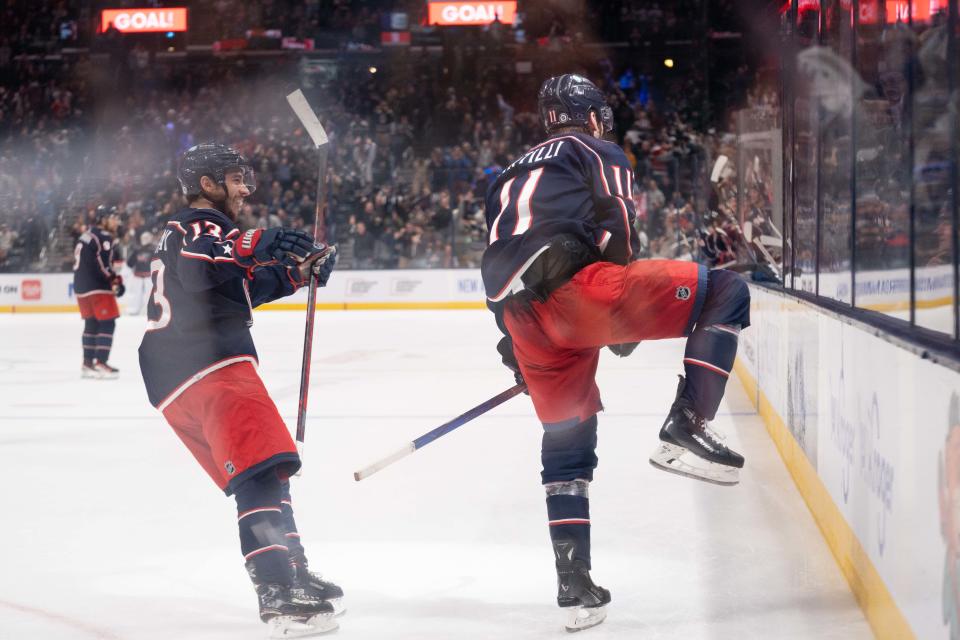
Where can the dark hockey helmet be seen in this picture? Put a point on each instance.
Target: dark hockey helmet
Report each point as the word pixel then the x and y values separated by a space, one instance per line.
pixel 567 100
pixel 109 217
pixel 103 211
pixel 215 161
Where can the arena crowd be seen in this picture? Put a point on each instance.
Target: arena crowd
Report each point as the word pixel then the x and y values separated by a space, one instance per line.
pixel 413 145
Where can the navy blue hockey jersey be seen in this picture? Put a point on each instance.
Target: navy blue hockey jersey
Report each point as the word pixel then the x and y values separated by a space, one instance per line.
pixel 139 261
pixel 93 263
pixel 571 184
pixel 200 310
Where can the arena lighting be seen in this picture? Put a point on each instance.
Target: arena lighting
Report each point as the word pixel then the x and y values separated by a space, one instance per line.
pixel 372 69
pixel 668 63
pixel 145 20
pixel 471 13
pixel 921 11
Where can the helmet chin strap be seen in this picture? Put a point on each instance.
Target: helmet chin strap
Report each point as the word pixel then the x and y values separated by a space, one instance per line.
pixel 596 125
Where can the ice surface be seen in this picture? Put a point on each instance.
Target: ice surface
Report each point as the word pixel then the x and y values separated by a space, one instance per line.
pixel 110 530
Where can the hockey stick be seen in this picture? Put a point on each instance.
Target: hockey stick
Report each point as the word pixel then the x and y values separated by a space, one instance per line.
pixel 312 124
pixel 442 430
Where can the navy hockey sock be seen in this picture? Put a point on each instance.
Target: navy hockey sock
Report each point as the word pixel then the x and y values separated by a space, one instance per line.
pixel 569 458
pixel 261 525
pixel 568 508
pixel 707 361
pixel 90 328
pixel 712 347
pixel 105 339
pixel 296 551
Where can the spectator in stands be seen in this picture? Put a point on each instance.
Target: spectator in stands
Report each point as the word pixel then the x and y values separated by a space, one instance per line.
pixel 7 238
pixel 363 247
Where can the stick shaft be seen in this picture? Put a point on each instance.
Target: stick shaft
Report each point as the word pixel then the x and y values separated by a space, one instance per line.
pixel 466 417
pixel 442 430
pixel 305 364
pixel 319 233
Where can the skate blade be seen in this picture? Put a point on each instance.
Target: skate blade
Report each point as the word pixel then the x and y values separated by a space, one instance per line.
pixel 107 375
pixel 338 607
pixel 674 459
pixel 294 627
pixel 91 375
pixel 580 618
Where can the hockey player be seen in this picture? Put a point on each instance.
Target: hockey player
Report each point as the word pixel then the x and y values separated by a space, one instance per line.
pixel 561 278
pixel 139 263
pixel 97 287
pixel 198 363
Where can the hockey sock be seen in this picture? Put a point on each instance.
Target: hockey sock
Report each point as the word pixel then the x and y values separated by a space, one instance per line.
pixel 90 329
pixel 296 551
pixel 568 508
pixel 105 339
pixel 261 525
pixel 707 361
pixel 569 458
pixel 712 347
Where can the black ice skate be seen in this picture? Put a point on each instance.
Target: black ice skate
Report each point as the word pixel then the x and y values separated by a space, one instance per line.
pixel 689 447
pixel 290 611
pixel 314 584
pixel 584 601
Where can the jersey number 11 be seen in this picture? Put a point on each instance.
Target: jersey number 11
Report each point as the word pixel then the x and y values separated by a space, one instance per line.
pixel 522 210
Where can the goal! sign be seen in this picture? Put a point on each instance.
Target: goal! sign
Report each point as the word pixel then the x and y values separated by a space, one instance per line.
pixel 471 13
pixel 144 20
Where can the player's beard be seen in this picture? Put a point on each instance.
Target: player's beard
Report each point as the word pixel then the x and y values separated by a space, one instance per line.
pixel 233 207
pixel 223 203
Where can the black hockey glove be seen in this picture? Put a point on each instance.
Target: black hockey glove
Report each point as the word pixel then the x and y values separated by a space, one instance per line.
pixel 623 349
pixel 505 349
pixel 320 263
pixel 258 247
pixel 116 283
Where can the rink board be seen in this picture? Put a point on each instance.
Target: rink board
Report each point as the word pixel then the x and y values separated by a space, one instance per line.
pixel 861 424
pixel 886 291
pixel 381 289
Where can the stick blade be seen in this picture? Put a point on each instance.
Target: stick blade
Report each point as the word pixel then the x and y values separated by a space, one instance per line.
pixel 368 471
pixel 298 102
pixel 718 168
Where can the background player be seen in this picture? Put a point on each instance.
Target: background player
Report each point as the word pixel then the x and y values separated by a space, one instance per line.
pixel 97 287
pixel 198 363
pixel 560 277
pixel 139 263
